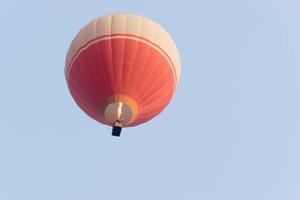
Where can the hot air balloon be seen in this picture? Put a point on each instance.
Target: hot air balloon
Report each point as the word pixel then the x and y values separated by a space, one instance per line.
pixel 122 70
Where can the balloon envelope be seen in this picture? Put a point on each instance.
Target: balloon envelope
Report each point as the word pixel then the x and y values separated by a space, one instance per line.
pixel 122 67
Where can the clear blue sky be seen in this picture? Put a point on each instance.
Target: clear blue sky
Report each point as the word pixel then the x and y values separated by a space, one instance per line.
pixel 232 132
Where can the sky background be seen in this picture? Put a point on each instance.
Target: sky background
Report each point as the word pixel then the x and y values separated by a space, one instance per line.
pixel 232 131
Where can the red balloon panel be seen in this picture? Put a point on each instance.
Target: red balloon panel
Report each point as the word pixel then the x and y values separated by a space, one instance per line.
pixel 121 66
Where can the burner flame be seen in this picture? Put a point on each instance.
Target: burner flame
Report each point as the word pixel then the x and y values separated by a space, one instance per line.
pixel 120 110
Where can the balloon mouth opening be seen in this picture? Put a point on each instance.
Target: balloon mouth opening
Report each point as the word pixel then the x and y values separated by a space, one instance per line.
pixel 119 111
